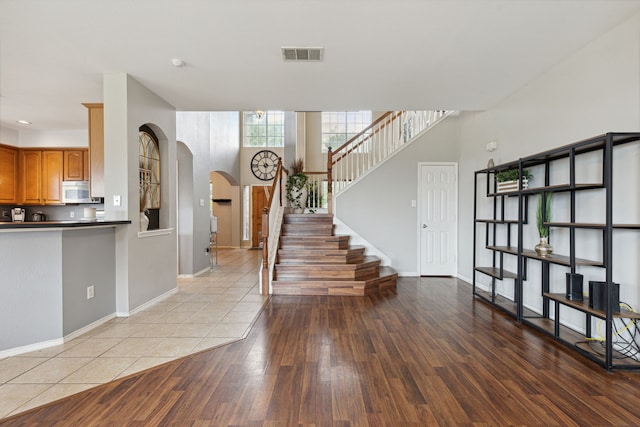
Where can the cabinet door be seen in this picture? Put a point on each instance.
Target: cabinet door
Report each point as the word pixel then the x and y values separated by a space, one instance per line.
pixel 96 148
pixel 8 175
pixel 73 165
pixel 52 172
pixel 30 176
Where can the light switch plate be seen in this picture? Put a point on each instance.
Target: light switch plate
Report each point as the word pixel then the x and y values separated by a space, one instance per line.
pixel 413 204
pixel 116 200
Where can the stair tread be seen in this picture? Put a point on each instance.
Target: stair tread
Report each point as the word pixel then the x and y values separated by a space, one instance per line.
pixel 368 261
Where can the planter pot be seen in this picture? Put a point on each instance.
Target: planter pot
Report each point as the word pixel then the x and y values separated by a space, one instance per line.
pixel 298 199
pixel 543 248
pixel 505 186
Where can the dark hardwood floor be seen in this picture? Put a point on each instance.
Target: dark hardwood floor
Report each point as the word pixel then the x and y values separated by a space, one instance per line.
pixel 426 354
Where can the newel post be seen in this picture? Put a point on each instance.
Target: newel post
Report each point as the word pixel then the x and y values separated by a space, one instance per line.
pixel 265 252
pixel 329 181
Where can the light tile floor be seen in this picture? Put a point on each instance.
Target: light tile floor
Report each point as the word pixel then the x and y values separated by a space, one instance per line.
pixel 215 308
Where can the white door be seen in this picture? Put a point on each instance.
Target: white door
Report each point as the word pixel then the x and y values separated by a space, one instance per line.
pixel 438 195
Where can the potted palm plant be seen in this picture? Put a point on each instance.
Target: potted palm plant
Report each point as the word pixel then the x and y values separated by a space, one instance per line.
pixel 297 186
pixel 543 215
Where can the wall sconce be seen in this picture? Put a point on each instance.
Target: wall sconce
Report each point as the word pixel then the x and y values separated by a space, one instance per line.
pixel 491 147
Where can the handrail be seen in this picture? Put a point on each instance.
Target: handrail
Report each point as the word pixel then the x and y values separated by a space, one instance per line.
pixel 365 135
pixel 271 219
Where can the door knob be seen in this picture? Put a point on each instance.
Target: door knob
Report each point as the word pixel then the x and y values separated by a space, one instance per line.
pixel 424 225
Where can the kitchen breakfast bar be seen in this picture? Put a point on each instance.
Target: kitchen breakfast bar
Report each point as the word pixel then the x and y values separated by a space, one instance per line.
pixel 57 278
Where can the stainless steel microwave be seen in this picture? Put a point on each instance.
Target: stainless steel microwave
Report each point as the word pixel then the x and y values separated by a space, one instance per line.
pixel 77 192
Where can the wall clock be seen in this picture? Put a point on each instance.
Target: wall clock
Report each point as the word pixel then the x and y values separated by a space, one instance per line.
pixel 264 164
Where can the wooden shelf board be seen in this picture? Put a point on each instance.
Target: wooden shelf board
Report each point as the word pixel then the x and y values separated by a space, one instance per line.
pixel 584 307
pixel 552 188
pixel 506 249
pixel 495 272
pixel 503 303
pixel 560 259
pixel 590 225
pixel 571 338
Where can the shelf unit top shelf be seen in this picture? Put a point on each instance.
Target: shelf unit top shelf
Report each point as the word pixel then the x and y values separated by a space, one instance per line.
pixel 584 307
pixel 549 188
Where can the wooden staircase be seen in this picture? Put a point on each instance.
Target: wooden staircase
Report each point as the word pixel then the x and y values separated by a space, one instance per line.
pixel 313 261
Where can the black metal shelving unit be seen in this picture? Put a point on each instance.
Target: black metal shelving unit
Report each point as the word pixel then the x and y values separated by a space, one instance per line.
pixel 512 246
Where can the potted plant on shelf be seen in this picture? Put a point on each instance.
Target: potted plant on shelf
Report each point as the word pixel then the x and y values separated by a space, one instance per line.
pixel 508 180
pixel 543 215
pixel 297 187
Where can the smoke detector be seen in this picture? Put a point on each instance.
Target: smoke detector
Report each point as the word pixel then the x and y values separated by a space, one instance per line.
pixel 302 54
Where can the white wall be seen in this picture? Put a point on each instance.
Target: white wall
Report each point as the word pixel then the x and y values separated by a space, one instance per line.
pixel 9 136
pixel 54 138
pixel 378 208
pixel 145 267
pixel 594 91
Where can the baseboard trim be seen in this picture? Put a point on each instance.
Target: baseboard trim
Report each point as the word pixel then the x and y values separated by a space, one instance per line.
pixel 151 302
pixel 31 347
pixel 89 327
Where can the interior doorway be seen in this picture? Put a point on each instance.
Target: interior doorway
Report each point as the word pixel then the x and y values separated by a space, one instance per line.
pixel 258 203
pixel 438 206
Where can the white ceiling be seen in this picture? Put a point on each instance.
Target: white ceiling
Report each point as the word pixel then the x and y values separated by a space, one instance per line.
pixel 378 55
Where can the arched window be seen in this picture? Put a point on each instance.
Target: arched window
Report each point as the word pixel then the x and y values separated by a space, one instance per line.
pixel 149 171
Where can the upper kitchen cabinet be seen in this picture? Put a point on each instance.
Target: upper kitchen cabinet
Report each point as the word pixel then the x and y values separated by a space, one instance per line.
pixel 8 174
pixel 41 173
pixel 31 176
pixel 75 167
pixel 96 148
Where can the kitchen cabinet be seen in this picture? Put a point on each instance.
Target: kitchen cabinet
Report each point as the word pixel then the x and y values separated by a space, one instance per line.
pixel 75 168
pixel 8 174
pixel 96 148
pixel 30 176
pixel 40 176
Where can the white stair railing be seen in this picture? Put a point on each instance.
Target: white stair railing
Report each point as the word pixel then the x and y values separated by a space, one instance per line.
pixel 376 143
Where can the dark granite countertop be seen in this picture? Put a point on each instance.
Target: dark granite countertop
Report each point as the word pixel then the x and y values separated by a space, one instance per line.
pixel 59 224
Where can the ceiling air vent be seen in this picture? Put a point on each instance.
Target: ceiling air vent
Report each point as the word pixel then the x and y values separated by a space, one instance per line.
pixel 302 53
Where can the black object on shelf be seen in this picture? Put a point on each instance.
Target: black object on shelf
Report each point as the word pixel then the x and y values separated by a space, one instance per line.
pixel 221 200
pixel 598 296
pixel 574 286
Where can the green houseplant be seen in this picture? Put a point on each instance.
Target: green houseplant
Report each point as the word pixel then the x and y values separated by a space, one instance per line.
pixel 297 186
pixel 513 175
pixel 508 179
pixel 543 215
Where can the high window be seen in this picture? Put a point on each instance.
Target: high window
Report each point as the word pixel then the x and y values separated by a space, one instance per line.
pixel 263 129
pixel 340 126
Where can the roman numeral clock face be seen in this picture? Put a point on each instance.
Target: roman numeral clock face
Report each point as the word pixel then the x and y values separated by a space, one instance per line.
pixel 264 164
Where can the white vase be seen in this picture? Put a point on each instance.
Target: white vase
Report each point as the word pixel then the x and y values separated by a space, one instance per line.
pixel 144 222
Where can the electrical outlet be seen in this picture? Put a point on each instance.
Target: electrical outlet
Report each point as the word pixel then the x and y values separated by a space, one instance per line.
pixel 5 214
pixel 72 214
pixel 90 292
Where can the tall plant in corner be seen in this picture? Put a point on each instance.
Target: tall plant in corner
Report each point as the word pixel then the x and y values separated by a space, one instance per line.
pixel 297 186
pixel 543 215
